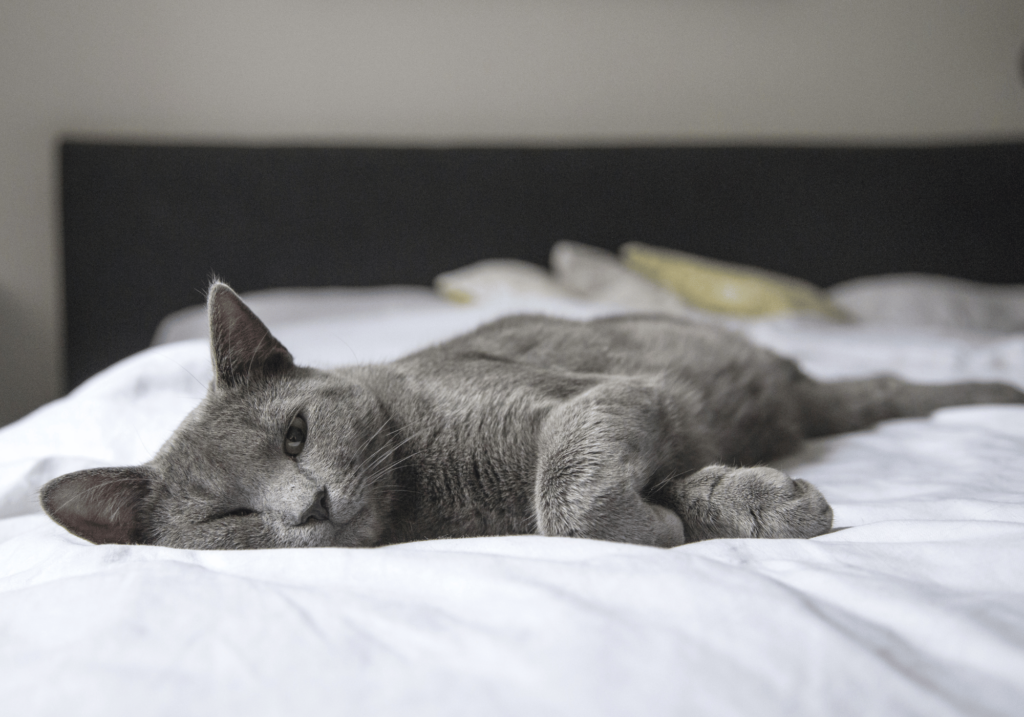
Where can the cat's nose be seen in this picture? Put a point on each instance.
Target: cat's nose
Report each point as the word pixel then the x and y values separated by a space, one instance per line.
pixel 317 510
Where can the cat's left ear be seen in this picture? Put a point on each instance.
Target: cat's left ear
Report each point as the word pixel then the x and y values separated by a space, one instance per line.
pixel 102 505
pixel 243 347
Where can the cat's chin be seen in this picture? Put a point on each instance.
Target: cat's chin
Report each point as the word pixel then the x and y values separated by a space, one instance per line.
pixel 340 540
pixel 321 534
pixel 357 533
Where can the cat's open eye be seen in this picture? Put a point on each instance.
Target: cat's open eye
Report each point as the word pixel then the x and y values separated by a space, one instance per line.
pixel 295 436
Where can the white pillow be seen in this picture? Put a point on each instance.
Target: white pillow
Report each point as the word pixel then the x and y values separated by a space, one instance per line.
pixel 931 300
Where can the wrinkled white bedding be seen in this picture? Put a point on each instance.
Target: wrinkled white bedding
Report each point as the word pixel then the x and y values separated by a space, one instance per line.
pixel 917 607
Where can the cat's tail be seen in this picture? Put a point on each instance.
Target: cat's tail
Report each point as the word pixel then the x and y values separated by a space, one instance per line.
pixel 841 406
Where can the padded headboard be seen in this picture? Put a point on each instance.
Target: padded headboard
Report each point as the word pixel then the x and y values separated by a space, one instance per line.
pixel 145 226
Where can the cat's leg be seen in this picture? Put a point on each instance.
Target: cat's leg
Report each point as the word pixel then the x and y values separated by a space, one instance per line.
pixel 597 453
pixel 758 502
pixel 827 408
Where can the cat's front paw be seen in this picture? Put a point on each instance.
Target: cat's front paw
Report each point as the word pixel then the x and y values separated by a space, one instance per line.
pixel 759 502
pixel 781 507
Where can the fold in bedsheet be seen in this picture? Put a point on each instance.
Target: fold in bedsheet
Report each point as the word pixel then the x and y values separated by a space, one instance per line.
pixel 915 607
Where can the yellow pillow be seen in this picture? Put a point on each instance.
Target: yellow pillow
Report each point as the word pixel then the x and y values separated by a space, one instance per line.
pixel 728 288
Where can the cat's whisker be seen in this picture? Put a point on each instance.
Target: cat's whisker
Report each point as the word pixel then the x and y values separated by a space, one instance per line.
pixel 394 489
pixel 141 442
pixel 665 481
pixel 355 357
pixel 385 447
pixel 390 467
pixel 385 456
pixel 377 470
pixel 201 384
pixel 370 480
pixel 369 440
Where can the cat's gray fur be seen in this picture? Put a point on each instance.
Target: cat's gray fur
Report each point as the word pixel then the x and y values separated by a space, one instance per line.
pixel 633 429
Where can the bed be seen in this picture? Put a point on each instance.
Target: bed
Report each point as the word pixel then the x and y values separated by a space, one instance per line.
pixel 915 606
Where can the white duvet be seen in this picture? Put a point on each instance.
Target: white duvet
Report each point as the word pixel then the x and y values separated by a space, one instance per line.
pixel 916 607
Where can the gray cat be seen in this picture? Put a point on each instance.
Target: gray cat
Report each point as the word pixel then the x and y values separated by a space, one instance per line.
pixel 628 429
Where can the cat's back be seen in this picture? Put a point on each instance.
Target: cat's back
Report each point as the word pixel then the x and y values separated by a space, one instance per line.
pixel 634 344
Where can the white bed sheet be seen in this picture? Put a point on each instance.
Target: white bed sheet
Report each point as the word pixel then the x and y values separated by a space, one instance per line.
pixel 917 607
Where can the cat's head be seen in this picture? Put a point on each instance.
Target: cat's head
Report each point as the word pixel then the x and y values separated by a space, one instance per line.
pixel 276 455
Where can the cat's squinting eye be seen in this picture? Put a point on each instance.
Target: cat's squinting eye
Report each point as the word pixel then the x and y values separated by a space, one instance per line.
pixel 295 436
pixel 240 513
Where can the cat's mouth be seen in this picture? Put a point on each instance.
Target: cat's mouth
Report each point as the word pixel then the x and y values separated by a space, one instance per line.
pixel 338 521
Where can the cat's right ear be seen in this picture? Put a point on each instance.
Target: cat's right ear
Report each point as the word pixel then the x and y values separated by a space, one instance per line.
pixel 242 346
pixel 102 505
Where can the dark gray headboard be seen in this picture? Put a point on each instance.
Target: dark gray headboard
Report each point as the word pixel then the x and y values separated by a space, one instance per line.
pixel 145 226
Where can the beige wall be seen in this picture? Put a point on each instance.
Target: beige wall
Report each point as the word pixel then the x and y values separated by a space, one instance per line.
pixel 458 71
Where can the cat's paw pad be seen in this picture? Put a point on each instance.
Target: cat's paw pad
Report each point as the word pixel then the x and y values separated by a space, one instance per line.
pixel 780 507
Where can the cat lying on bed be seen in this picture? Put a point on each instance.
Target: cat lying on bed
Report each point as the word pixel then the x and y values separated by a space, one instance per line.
pixel 634 429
